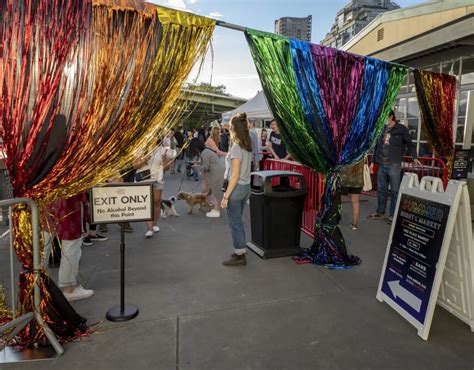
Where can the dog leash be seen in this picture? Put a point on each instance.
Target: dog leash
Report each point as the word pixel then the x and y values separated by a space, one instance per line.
pixel 182 179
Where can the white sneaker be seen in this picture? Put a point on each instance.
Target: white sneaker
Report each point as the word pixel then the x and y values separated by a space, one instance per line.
pixel 78 293
pixel 156 229
pixel 213 213
pixel 148 234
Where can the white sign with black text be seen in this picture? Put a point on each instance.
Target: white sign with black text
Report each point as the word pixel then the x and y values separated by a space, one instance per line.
pixel 121 203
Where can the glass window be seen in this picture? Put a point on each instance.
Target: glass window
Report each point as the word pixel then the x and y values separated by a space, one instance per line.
pixel 413 128
pixel 424 150
pixel 467 76
pixel 404 88
pixel 472 160
pixel 462 104
pixel 400 108
pixel 411 82
pixel 413 110
pixel 451 67
pixel 460 134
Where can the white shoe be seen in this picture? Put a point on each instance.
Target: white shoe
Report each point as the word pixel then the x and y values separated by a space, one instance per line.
pixel 148 234
pixel 78 293
pixel 156 229
pixel 213 213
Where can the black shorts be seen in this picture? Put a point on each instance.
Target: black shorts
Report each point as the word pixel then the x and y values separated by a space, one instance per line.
pixel 347 190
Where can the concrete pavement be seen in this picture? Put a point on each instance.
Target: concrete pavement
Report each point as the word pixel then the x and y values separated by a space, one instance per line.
pixel 271 314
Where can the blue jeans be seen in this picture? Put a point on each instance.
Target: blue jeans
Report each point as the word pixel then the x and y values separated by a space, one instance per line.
pixel 235 209
pixel 388 174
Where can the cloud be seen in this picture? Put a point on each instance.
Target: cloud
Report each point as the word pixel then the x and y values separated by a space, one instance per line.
pixel 215 15
pixel 193 1
pixel 180 4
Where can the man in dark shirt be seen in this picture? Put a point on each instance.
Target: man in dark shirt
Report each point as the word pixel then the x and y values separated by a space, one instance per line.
pixel 276 146
pixel 388 154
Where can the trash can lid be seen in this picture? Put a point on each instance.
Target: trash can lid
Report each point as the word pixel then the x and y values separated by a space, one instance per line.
pixel 275 173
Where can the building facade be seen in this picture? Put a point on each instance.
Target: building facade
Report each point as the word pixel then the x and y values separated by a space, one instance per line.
pixel 436 36
pixel 297 28
pixel 352 19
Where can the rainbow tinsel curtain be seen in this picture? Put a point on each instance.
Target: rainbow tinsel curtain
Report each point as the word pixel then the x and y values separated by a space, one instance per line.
pixel 86 88
pixel 331 107
pixel 436 95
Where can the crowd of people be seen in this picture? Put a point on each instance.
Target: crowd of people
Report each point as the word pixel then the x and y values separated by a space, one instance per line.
pixel 222 159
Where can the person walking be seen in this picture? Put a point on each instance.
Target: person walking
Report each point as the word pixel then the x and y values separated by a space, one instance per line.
pixel 213 140
pixel 152 169
pixel 213 169
pixel 352 181
pixel 237 186
pixel 388 154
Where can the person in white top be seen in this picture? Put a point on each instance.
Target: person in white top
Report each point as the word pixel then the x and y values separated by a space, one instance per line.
pixel 152 170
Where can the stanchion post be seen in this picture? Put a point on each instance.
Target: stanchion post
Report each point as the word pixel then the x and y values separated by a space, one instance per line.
pixel 123 312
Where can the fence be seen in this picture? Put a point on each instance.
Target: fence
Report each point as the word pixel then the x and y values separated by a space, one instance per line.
pixel 315 184
pixel 429 167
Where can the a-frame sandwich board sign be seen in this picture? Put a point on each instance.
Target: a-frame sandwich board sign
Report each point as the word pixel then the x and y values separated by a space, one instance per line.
pixel 429 252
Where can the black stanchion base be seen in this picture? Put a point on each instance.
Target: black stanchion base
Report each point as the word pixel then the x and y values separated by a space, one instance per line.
pixel 116 314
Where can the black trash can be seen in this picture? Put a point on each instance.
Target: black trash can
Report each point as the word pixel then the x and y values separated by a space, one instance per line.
pixel 276 210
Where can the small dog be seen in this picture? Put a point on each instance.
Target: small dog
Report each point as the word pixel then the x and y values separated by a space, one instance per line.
pixel 200 199
pixel 167 207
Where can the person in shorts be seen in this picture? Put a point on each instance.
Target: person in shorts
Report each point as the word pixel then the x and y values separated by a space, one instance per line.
pixel 352 181
pixel 152 170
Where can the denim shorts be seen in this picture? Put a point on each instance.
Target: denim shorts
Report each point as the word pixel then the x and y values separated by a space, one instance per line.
pixel 158 185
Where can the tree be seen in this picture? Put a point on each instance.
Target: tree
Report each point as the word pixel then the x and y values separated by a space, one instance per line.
pixel 207 87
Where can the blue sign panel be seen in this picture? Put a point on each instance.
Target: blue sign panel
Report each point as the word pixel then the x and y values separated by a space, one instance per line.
pixel 416 245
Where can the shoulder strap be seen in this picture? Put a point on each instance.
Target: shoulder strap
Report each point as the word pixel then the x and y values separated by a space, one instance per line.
pixel 212 150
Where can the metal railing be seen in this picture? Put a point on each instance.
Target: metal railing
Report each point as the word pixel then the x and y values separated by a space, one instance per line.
pixel 434 167
pixel 17 324
pixel 430 166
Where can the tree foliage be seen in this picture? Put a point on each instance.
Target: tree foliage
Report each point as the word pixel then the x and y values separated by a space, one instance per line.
pixel 207 87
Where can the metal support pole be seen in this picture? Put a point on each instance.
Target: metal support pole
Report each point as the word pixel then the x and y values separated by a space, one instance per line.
pixel 123 312
pixel 122 269
pixel 230 26
pixel 37 270
pixel 12 276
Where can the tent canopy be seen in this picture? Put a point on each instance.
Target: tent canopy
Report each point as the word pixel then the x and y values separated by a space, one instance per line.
pixel 256 108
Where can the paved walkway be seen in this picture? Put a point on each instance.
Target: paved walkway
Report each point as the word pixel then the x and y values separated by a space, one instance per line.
pixel 271 314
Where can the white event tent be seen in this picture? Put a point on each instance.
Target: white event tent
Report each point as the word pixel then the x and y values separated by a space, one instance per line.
pixel 256 109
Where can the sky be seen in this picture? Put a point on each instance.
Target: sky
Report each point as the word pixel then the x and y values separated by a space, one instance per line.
pixel 232 64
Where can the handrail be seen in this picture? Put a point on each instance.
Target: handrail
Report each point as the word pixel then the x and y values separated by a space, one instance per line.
pixel 23 320
pixel 437 165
